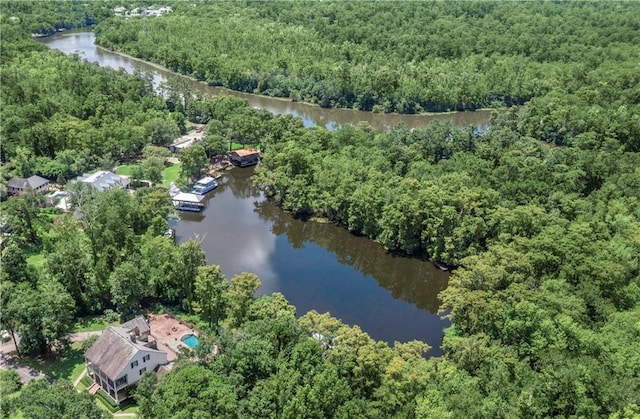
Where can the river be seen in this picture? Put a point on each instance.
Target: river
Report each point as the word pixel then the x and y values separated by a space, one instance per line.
pixel 83 43
pixel 316 266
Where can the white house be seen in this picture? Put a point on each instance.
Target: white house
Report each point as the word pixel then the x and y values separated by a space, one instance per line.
pixel 121 355
pixel 103 180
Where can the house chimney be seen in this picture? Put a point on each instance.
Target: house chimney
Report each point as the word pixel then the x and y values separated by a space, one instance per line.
pixel 132 335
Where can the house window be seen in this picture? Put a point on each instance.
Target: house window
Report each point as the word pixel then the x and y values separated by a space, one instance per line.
pixel 146 358
pixel 134 364
pixel 142 370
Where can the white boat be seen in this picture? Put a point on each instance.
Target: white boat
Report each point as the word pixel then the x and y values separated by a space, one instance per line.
pixel 185 201
pixel 204 185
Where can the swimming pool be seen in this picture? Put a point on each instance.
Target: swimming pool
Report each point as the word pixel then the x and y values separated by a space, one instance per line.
pixel 190 340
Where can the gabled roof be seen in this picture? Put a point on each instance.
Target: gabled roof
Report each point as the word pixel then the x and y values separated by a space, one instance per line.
pixel 113 351
pixel 246 152
pixel 33 182
pixel 104 180
pixel 139 322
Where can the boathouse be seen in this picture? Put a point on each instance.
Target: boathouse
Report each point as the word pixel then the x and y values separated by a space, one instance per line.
pixel 245 157
pixel 184 201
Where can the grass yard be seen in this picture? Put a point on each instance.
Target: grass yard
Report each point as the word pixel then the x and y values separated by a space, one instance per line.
pixel 126 169
pixel 93 324
pixel 68 367
pixel 34 255
pixel 171 174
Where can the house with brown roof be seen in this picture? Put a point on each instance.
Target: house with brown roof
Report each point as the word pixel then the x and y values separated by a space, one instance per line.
pixel 121 355
pixel 19 185
pixel 245 157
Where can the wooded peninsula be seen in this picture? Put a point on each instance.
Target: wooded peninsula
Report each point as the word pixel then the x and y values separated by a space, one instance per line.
pixel 538 217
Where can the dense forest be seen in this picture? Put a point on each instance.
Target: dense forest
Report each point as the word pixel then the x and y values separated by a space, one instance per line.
pixel 539 217
pixel 402 57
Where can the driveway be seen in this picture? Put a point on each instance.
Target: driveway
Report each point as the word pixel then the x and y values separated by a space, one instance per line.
pixel 8 362
pixel 25 372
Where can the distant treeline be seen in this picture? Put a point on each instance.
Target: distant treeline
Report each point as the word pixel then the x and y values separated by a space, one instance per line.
pixel 402 57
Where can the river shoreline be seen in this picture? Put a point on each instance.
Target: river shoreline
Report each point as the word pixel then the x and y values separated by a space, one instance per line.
pixel 83 40
pixel 316 266
pixel 285 99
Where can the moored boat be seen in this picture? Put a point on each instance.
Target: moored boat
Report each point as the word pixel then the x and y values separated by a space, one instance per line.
pixel 204 185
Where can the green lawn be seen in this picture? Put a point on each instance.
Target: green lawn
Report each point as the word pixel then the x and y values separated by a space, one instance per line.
pixel 171 174
pixel 34 255
pixel 92 324
pixel 125 169
pixel 68 367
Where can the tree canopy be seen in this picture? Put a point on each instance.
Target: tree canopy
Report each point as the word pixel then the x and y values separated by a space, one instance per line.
pixel 539 216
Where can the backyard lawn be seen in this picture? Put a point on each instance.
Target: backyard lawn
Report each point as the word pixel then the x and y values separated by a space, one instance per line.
pixel 171 174
pixel 34 255
pixel 93 324
pixel 125 169
pixel 68 367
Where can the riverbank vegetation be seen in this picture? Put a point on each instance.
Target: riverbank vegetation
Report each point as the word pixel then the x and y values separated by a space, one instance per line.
pixel 540 215
pixel 403 57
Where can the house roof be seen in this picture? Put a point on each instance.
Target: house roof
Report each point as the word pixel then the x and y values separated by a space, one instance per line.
pixel 246 152
pixel 104 180
pixel 33 182
pixel 139 322
pixel 114 349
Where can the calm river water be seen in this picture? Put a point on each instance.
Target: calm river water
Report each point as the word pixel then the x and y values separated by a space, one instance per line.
pixel 316 266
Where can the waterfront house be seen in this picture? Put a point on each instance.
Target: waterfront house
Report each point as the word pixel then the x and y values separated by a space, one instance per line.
pixel 103 180
pixel 121 355
pixel 245 157
pixel 19 185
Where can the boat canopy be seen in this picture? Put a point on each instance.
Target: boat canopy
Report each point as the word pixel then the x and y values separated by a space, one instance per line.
pixel 188 197
pixel 205 180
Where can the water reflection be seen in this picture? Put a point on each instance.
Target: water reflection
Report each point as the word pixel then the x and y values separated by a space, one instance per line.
pixel 83 43
pixel 316 266
pixel 408 279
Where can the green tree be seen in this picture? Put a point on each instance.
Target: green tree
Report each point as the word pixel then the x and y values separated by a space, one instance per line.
pixel 190 258
pixel 39 399
pixel 193 159
pixel 152 168
pixel 23 214
pixel 9 382
pixel 129 285
pixel 41 316
pixel 161 132
pixel 68 261
pixel 14 264
pixel 240 296
pixel 143 393
pixel 193 391
pixel 210 289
